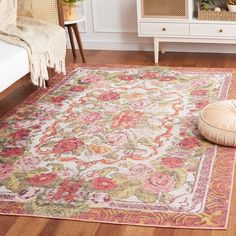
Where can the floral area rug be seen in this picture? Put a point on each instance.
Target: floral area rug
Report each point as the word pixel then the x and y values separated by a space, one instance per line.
pixel 118 145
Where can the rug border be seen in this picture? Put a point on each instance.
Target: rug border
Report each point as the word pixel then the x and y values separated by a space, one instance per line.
pixel 231 191
pixel 110 222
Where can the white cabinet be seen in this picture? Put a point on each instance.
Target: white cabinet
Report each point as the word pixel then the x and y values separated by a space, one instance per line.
pixel 213 30
pixel 174 21
pixel 164 28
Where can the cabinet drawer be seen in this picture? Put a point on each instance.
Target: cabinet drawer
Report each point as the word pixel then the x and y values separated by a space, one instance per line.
pixel 156 29
pixel 213 30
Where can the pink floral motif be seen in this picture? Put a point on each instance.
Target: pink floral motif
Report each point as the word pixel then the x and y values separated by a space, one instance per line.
pixel 97 149
pixel 3 124
pixel 91 117
pixel 117 139
pixel 151 74
pixel 95 130
pixel 91 79
pixel 58 99
pixel 68 145
pixel 183 132
pixel 35 127
pixel 200 83
pixel 27 163
pixel 78 88
pixel 100 198
pixel 199 92
pixel 90 175
pixel 6 170
pixel 109 96
pixel 102 183
pixel 126 77
pixel 67 191
pixel 159 182
pixel 141 152
pixel 140 170
pixel 167 78
pixel 9 152
pixel 20 134
pixel 127 119
pixel 201 104
pixel 172 162
pixel 189 143
pixel 180 153
pixel 140 104
pixel 28 194
pixel 43 179
pixel 80 195
pixel 192 168
pixel 100 84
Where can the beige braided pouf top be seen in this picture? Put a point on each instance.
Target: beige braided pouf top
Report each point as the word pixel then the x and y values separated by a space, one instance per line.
pixel 217 122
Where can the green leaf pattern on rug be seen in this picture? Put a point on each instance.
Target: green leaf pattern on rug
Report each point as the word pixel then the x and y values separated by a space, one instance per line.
pixel 13 184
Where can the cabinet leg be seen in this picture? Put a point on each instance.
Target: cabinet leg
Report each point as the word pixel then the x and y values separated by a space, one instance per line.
pixel 156 50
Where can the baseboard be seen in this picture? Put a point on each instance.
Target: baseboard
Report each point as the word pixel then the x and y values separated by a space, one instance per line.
pixel 117 46
pixel 168 47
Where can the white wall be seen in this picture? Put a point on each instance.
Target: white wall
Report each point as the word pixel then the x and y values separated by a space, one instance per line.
pixel 111 25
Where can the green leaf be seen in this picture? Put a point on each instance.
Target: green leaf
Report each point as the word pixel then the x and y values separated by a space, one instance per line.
pixel 131 182
pixel 156 165
pixel 123 194
pixel 57 167
pixel 180 176
pixel 13 184
pixel 146 196
pixel 37 171
pixel 119 178
pixel 106 171
pixel 166 198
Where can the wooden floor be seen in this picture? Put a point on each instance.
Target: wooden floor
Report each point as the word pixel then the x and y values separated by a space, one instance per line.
pixel 28 226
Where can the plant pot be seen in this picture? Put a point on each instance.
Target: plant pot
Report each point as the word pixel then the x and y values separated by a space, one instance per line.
pixel 232 8
pixel 70 11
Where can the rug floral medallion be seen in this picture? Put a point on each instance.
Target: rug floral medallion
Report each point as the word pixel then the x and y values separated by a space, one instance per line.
pixel 118 145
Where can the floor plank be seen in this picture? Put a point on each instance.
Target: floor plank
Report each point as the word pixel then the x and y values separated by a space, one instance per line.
pixel 29 226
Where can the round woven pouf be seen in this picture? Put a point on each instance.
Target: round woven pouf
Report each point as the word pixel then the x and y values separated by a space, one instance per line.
pixel 217 123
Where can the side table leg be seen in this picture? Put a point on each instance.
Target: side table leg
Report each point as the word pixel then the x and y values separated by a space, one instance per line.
pixel 69 27
pixel 156 50
pixel 78 38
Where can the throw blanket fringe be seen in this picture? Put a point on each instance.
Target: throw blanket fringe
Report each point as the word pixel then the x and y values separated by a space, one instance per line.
pixel 45 60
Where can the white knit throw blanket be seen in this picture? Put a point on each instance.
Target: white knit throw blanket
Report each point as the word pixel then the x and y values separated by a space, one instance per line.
pixel 45 43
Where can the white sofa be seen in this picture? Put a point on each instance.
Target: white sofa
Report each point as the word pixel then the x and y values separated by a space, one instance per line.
pixel 14 64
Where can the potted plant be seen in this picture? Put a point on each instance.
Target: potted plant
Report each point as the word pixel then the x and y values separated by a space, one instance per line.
pixel 70 9
pixel 207 5
pixel 231 5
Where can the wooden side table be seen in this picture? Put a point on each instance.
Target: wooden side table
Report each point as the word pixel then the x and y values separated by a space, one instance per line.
pixel 73 26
